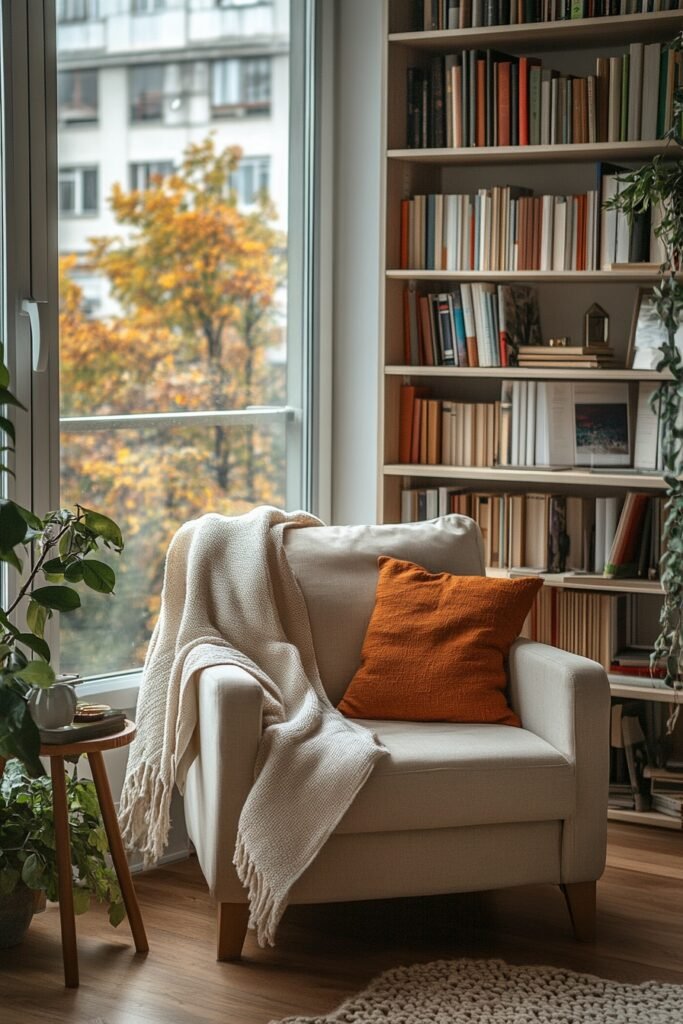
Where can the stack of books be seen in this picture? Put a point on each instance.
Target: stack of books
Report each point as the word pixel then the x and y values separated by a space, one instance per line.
pixel 573 357
pixel 487 98
pixel 666 791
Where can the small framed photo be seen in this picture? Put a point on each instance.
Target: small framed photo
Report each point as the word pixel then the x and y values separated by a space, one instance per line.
pixel 647 334
pixel 602 429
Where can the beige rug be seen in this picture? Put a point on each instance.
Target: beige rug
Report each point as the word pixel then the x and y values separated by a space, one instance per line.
pixel 493 992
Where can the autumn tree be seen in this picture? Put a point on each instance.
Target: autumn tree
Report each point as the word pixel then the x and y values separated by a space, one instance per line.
pixel 196 280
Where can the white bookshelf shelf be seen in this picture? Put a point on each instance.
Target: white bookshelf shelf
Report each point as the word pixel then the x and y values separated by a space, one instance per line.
pixel 536 276
pixel 523 372
pixel 618 688
pixel 589 581
pixel 531 476
pixel 644 818
pixel 560 153
pixel 547 35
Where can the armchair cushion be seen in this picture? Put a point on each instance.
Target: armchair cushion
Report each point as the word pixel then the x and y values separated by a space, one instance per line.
pixel 336 568
pixel 444 775
pixel 436 646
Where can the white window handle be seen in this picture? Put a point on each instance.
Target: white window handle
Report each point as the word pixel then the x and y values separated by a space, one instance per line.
pixel 38 349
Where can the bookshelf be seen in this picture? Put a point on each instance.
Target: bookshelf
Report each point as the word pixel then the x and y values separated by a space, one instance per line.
pixel 564 296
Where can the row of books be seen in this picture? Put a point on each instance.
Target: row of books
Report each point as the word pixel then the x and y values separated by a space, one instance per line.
pixel 477 324
pixel 556 533
pixel 488 98
pixel 557 424
pixel 624 239
pixel 501 228
pixel 436 15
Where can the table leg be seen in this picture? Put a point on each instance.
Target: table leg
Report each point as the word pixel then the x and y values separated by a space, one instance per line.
pixel 64 872
pixel 118 854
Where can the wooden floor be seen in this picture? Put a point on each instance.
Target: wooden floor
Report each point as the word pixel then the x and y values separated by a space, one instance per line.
pixel 325 953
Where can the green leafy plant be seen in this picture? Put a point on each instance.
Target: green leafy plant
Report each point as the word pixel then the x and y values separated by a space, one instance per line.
pixel 659 184
pixel 27 841
pixel 56 552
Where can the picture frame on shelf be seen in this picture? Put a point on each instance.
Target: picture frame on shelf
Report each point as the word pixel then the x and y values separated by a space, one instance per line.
pixel 647 334
pixel 602 425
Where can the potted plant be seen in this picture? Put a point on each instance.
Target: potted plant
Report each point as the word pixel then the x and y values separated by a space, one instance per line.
pixel 28 864
pixel 659 183
pixel 51 556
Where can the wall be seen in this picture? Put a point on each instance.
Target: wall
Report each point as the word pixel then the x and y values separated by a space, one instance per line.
pixel 358 149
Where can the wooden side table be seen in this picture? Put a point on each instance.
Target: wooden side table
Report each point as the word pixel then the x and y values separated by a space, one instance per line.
pixel 93 749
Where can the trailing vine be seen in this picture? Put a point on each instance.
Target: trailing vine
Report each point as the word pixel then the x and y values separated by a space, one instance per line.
pixel 659 183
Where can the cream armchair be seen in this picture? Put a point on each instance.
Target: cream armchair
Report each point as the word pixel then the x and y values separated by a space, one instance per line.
pixel 453 807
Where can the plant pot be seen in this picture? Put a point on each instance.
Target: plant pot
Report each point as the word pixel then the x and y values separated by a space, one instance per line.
pixel 54 707
pixel 16 911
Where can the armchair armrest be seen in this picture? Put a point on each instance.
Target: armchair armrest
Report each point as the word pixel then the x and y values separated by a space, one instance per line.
pixel 229 731
pixel 565 700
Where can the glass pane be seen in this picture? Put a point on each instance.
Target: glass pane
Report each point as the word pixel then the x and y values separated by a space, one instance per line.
pixel 173 291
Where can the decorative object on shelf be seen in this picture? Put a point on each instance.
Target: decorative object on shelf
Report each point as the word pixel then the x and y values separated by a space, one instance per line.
pixel 558 342
pixel 28 860
pixel 648 333
pixel 52 707
pixel 59 546
pixel 601 425
pixel 658 185
pixel 596 326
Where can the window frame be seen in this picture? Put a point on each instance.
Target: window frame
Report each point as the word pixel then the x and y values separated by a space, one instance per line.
pixel 78 120
pixel 78 173
pixel 241 107
pixel 134 70
pixel 135 166
pixel 90 11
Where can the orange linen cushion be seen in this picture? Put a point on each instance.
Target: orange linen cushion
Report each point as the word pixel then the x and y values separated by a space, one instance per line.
pixel 436 646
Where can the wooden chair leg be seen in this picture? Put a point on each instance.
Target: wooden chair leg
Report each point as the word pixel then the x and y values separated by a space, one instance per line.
pixel 118 854
pixel 580 897
pixel 233 919
pixel 64 872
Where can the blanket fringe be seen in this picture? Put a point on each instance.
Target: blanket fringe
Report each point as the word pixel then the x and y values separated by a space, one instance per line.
pixel 144 812
pixel 265 909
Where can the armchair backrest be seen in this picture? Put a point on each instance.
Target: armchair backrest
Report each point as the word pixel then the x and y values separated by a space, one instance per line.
pixel 336 567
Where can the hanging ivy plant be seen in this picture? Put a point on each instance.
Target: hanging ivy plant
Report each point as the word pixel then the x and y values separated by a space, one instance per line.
pixel 659 184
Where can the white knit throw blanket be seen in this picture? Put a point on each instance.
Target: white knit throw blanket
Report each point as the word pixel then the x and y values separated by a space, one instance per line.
pixel 230 598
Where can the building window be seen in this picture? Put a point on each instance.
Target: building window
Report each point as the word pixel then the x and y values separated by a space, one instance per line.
pixel 241 86
pixel 250 179
pixel 142 175
pixel 243 3
pixel 78 188
pixel 76 10
pixel 147 6
pixel 77 96
pixel 146 92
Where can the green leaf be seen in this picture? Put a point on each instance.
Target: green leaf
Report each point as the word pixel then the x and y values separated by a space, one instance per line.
pixel 104 527
pixel 12 558
pixel 8 428
pixel 55 567
pixel 4 376
pixel 37 673
pixel 35 644
pixel 117 913
pixel 12 525
pixel 81 900
pixel 18 732
pixel 8 880
pixel 98 576
pixel 36 617
pixel 74 572
pixel 4 651
pixel 33 871
pixel 60 599
pixel 7 398
pixel 29 518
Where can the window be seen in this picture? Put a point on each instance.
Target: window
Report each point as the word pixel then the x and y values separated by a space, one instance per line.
pixel 241 85
pixel 142 175
pixel 77 96
pixel 147 6
pixel 146 92
pixel 242 3
pixel 77 191
pixel 76 10
pixel 250 179
pixel 180 383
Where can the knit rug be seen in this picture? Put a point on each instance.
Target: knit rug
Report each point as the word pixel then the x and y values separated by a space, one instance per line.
pixel 493 992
